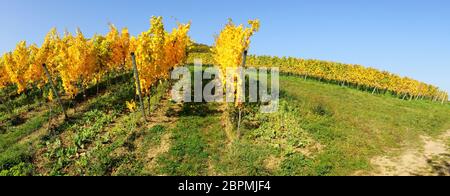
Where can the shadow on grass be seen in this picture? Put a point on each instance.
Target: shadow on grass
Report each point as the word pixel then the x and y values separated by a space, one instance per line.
pixel 440 167
pixel 101 87
pixel 121 91
pixel 198 109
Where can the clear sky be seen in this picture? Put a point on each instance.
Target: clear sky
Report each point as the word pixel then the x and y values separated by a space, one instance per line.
pixel 408 37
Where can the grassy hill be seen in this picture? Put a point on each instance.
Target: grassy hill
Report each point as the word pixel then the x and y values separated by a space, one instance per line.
pixel 320 129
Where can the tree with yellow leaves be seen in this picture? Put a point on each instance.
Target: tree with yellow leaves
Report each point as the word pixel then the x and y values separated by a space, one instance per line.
pixel 157 52
pixel 4 77
pixel 77 62
pixel 44 55
pixel 150 58
pixel 229 47
pixel 119 47
pixel 148 49
pixel 150 54
pixel 229 52
pixel 102 52
pixel 16 64
pixel 232 42
pixel 175 47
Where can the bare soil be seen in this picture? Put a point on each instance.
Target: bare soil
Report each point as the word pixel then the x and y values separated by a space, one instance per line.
pixel 431 159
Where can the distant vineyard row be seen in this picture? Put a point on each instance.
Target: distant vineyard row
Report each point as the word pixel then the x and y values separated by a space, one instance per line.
pixel 344 74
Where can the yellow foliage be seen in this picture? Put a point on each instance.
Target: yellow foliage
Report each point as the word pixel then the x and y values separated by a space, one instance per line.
pixel 348 74
pixel 175 47
pixel 345 74
pixel 16 64
pixel 80 61
pixel 229 48
pixel 4 77
pixel 45 54
pixel 119 48
pixel 148 50
pixel 77 62
pixel 131 105
pixel 157 52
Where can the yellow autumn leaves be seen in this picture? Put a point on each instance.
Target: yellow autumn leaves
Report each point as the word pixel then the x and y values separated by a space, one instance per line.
pixel 344 74
pixel 79 61
pixel 353 75
pixel 119 44
pixel 74 59
pixel 131 105
pixel 158 51
pixel 23 66
pixel 228 51
pixel 232 42
pixel 4 77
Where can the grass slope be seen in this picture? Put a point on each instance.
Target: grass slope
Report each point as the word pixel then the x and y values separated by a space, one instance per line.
pixel 320 129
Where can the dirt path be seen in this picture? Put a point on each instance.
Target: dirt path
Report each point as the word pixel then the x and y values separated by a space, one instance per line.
pixel 432 159
pixel 166 115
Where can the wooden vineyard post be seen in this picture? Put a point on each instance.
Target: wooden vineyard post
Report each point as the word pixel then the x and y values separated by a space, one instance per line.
pixel 244 59
pixel 239 124
pixel 138 83
pixel 54 89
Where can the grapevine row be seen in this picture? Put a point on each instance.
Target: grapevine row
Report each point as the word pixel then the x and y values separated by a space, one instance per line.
pixel 343 74
pixel 228 51
pixel 78 61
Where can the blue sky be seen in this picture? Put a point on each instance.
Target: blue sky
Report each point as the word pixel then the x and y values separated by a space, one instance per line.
pixel 408 37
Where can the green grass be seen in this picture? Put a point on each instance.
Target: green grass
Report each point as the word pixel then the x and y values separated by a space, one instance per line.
pixel 320 129
pixel 14 155
pixel 102 139
pixel 354 126
pixel 199 146
pixel 188 154
pixel 16 133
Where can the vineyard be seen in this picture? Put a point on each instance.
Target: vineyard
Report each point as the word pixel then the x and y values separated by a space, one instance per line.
pixel 77 62
pixel 69 107
pixel 343 74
